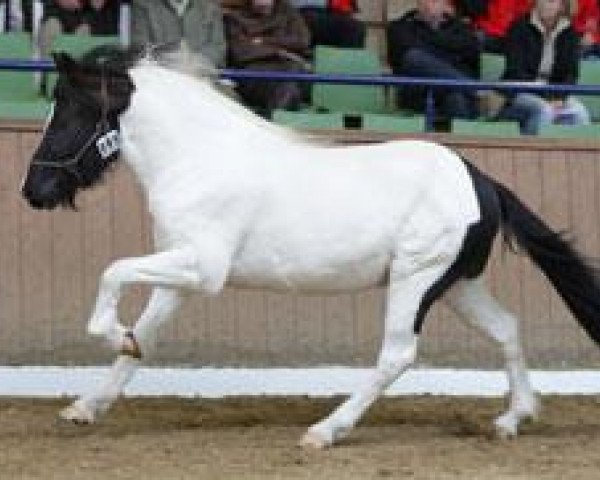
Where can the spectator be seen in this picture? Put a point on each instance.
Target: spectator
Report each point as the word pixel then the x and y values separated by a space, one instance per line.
pixel 492 18
pixel 543 47
pixel 11 16
pixel 85 17
pixel 332 22
pixel 95 17
pixel 4 17
pixel 198 23
pixel 429 41
pixel 268 35
pixel 586 23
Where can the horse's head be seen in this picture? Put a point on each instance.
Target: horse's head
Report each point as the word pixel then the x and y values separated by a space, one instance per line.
pixel 81 138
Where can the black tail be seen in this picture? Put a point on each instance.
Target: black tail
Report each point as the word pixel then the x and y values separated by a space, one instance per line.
pixel 576 279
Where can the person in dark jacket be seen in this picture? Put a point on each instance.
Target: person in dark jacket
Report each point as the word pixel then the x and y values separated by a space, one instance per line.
pixel 430 41
pixel 542 48
pixel 332 22
pixel 268 35
pixel 97 17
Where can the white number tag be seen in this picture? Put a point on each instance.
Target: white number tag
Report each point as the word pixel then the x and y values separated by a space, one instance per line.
pixel 108 144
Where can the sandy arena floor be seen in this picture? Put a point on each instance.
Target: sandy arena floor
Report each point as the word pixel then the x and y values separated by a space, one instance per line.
pixel 249 438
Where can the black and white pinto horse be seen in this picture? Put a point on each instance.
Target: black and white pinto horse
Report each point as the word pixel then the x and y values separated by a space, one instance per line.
pixel 240 201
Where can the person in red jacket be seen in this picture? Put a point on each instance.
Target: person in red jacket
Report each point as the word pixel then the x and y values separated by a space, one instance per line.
pixel 586 23
pixel 332 22
pixel 492 18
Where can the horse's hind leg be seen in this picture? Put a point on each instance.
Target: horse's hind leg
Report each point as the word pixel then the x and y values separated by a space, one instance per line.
pixel 86 409
pixel 471 300
pixel 397 353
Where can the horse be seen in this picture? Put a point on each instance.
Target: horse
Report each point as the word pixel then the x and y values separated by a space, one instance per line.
pixel 238 200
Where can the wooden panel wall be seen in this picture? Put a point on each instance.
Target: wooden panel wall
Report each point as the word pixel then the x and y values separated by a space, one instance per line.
pixel 50 264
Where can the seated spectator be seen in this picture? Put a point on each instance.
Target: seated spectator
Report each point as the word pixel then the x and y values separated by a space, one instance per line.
pixel 491 19
pixel 429 41
pixel 332 22
pixel 197 23
pixel 96 17
pixel 85 17
pixel 268 35
pixel 543 47
pixel 586 23
pixel 11 16
pixel 4 18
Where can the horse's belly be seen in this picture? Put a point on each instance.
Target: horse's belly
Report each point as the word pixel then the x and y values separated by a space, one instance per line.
pixel 308 274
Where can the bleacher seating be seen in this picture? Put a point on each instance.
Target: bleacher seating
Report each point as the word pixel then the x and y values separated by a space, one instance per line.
pixel 393 123
pixel 347 98
pixel 589 74
pixel 570 131
pixel 309 119
pixel 19 98
pixel 332 106
pixel 491 66
pixel 349 106
pixel 485 128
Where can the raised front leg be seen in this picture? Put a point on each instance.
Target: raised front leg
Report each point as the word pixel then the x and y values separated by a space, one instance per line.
pixel 188 267
pixel 88 407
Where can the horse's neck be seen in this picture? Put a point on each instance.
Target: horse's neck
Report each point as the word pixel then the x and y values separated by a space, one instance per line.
pixel 170 135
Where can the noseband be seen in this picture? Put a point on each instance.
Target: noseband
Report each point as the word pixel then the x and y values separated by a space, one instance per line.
pixel 105 138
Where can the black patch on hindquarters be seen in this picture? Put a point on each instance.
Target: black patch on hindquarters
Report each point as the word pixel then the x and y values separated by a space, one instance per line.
pixel 476 247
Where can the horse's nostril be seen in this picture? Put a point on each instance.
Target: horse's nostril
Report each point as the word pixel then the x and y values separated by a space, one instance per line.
pixel 48 188
pixel 41 193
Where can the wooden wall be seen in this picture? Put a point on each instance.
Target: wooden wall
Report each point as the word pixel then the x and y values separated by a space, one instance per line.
pixel 50 264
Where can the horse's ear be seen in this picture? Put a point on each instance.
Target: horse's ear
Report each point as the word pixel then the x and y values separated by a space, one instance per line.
pixel 69 67
pixel 64 62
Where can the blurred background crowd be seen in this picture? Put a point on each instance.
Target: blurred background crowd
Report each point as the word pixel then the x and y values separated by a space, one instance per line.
pixel 540 41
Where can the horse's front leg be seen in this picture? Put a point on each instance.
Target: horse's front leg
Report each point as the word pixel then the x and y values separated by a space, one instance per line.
pixel 187 267
pixel 89 406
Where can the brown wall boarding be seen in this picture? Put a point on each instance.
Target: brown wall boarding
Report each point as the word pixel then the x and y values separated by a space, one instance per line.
pixel 50 265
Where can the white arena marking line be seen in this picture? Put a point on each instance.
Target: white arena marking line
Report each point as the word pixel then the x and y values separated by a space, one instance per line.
pixel 52 382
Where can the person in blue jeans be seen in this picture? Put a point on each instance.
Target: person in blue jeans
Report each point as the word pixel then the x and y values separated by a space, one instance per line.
pixel 430 41
pixel 542 47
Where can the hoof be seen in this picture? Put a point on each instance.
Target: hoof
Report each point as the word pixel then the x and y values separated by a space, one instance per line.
pixel 506 427
pixel 76 414
pixel 312 440
pixel 130 346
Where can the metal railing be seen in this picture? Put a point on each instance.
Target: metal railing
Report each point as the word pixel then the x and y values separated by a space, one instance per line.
pixel 431 84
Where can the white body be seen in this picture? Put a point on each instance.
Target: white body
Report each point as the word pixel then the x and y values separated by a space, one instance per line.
pixel 289 214
pixel 236 199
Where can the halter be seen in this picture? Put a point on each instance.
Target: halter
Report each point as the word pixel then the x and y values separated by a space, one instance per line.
pixel 107 140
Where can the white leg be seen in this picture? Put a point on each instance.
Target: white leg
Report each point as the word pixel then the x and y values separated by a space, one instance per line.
pixel 397 353
pixel 173 268
pixel 86 409
pixel 472 301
